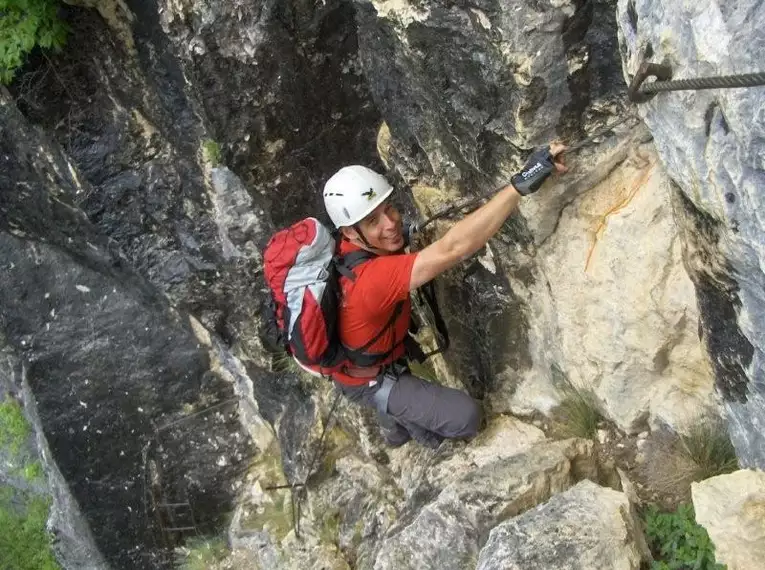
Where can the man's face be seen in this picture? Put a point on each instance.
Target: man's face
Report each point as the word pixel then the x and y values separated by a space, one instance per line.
pixel 382 229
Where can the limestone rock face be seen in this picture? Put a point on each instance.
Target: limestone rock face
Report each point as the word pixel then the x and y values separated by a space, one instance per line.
pixel 449 531
pixel 615 309
pixel 502 438
pixel 711 145
pixel 585 527
pixel 139 183
pixel 471 84
pixel 732 509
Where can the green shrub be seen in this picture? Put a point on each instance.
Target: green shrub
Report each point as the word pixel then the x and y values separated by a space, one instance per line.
pixel 24 539
pixel 14 428
pixel 677 542
pixel 25 24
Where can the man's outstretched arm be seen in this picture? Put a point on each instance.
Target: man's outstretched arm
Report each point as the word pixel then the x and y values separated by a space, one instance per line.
pixel 473 232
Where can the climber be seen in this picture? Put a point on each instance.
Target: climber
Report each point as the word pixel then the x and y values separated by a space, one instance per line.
pixel 375 299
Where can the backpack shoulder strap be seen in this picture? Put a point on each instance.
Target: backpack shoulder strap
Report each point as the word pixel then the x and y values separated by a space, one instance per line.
pixel 347 262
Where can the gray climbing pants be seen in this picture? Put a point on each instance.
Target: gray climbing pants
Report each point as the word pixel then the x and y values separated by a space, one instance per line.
pixel 410 407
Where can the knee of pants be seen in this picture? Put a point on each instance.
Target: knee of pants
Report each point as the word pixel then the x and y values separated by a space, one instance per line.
pixel 471 419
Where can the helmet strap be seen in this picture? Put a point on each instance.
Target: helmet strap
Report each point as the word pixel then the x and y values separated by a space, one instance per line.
pixel 361 235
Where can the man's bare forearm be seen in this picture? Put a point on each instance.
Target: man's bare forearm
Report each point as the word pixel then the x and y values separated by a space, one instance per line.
pixel 473 232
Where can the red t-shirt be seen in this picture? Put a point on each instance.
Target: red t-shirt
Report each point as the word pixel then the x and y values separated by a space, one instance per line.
pixel 368 302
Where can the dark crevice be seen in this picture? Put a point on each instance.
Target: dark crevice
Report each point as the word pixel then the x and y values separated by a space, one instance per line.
pixel 717 293
pixel 724 123
pixel 573 35
pixel 708 116
pixel 648 52
pixel 632 15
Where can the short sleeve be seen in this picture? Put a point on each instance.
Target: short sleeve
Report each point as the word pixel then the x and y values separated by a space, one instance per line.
pixel 386 280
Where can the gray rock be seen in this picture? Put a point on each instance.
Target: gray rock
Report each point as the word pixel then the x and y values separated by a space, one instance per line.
pixel 280 86
pixel 131 410
pixel 585 528
pixel 133 123
pixel 239 227
pixel 469 84
pixel 711 143
pixel 448 532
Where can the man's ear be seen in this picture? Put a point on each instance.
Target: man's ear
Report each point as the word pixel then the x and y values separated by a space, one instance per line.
pixel 348 233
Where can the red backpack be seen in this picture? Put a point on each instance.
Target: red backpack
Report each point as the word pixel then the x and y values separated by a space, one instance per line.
pixel 302 272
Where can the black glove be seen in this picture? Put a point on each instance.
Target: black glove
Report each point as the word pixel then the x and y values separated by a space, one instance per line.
pixel 536 170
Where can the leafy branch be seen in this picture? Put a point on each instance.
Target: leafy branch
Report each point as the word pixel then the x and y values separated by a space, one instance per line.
pixel 24 25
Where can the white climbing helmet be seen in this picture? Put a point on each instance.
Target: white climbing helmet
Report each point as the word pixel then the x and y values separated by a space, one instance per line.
pixel 352 193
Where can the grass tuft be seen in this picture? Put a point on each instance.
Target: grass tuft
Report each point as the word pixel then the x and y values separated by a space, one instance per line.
pixel 708 445
pixel 578 415
pixel 671 461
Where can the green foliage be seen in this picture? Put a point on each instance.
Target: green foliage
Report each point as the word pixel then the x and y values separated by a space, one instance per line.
pixel 14 428
pixel 32 471
pixel 14 433
pixel 211 152
pixel 677 542
pixel 24 539
pixel 201 554
pixel 707 444
pixel 25 24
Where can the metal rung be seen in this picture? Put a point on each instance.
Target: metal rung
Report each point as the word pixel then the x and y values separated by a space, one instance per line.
pixel 177 528
pixel 174 505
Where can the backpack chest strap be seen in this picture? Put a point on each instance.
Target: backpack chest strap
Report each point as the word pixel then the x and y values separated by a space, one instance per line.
pixel 360 356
